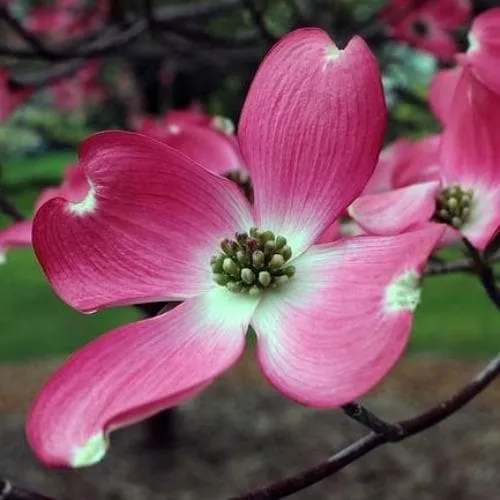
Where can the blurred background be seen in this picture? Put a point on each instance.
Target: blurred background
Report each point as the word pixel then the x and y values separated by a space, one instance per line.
pixel 93 66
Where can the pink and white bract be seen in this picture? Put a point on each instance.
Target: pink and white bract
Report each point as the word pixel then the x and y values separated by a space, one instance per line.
pixel 331 320
pixel 18 235
pixel 427 24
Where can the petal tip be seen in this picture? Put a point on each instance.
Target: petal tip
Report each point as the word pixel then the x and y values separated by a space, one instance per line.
pixel 91 452
pixel 85 206
pixel 403 294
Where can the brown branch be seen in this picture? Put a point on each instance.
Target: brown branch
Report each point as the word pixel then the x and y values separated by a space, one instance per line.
pixel 356 450
pixel 259 22
pixel 484 272
pixel 456 266
pixel 32 40
pixel 9 209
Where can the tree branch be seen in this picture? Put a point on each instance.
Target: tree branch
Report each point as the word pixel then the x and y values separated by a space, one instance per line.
pixel 485 273
pixel 10 209
pixel 356 450
pixel 259 21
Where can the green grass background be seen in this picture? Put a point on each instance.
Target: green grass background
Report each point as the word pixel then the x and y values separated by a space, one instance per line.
pixel 455 318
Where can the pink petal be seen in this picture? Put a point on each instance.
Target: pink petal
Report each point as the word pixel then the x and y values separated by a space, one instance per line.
pixel 441 91
pixel 423 163
pixel 448 14
pixel 471 152
pixel 484 221
pixel 331 233
pixel 344 319
pixel 484 50
pixel 391 160
pixel 311 131
pixel 204 145
pixel 133 372
pixel 73 188
pixel 17 235
pixel 396 211
pixel 440 43
pixel 146 230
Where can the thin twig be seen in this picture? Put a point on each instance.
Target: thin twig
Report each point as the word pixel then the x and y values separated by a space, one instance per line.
pixel 8 208
pixel 356 450
pixel 259 21
pixel 32 40
pixel 358 412
pixel 485 273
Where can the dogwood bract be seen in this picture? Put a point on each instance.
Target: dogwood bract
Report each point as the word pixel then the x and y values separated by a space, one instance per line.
pixel 330 320
pixel 18 235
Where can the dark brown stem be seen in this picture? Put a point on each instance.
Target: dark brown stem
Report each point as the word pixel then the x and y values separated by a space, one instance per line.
pixel 259 22
pixel 10 209
pixel 465 265
pixel 356 450
pixel 365 417
pixel 485 273
pixel 32 40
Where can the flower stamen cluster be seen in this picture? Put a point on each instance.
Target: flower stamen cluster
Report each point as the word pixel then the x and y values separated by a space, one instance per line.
pixel 253 262
pixel 454 205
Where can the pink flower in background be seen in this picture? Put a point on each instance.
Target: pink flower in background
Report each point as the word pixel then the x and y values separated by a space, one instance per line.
pixel 10 99
pixel 79 90
pixel 470 160
pixel 454 179
pixel 67 18
pixel 483 54
pixel 49 20
pixel 405 185
pixel 18 235
pixel 330 320
pixel 427 24
pixel 442 90
pixel 208 140
pixel 482 58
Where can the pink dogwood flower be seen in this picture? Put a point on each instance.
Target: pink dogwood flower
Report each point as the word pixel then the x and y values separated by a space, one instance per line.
pixel 483 54
pixel 482 58
pixel 330 320
pixel 427 24
pixel 10 99
pixel 18 235
pixel 462 187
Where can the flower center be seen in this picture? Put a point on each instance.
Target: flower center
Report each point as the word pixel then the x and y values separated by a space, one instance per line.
pixel 242 179
pixel 252 262
pixel 454 205
pixel 420 28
